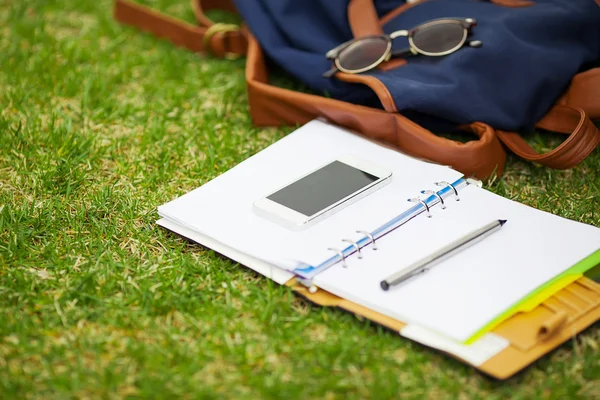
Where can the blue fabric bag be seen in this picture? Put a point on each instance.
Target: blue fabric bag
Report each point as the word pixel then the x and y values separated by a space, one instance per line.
pixel 537 67
pixel 527 60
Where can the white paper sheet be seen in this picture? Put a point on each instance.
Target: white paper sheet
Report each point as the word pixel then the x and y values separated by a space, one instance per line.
pixel 222 208
pixel 270 271
pixel 475 353
pixel 460 295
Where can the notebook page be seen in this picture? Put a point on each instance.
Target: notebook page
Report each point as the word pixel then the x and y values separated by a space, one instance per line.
pixel 463 293
pixel 222 208
pixel 276 274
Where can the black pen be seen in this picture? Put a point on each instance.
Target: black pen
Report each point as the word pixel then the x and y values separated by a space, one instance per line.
pixel 425 263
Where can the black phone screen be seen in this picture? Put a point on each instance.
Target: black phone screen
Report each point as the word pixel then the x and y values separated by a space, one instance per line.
pixel 322 188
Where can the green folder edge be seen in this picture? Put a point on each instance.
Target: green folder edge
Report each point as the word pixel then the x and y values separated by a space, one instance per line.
pixel 542 293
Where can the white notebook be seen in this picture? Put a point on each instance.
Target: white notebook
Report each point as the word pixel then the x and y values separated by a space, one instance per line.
pixel 454 299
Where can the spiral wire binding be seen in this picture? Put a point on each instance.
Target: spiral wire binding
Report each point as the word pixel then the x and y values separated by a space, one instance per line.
pixel 356 246
pixel 341 255
pixel 367 234
pixel 448 184
pixel 419 200
pixel 401 220
pixel 423 203
pixel 434 193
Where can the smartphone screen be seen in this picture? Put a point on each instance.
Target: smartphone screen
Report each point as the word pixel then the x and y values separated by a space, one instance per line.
pixel 322 188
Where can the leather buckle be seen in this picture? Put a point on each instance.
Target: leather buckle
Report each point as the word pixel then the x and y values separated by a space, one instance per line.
pixel 220 28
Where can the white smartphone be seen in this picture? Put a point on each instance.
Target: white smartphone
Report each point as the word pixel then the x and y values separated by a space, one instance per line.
pixel 322 192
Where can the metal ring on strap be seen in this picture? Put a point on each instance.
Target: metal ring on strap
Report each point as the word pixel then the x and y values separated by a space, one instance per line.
pixel 418 200
pixel 447 184
pixel 220 28
pixel 339 253
pixel 356 246
pixel 367 234
pixel 434 193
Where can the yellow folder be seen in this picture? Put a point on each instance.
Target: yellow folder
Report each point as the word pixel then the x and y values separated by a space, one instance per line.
pixel 531 333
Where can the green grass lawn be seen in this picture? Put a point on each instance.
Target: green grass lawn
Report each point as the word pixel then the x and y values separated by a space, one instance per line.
pixel 100 124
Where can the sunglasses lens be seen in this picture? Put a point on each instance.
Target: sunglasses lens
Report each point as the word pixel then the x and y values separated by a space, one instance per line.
pixel 363 53
pixel 439 38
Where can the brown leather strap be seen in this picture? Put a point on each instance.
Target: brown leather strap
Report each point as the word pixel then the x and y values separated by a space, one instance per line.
pixel 583 138
pixel 584 135
pixel 221 42
pixel 398 10
pixel 200 6
pixel 481 157
pixel 387 101
pixel 363 18
pixel 514 3
pixel 271 105
pixel 584 93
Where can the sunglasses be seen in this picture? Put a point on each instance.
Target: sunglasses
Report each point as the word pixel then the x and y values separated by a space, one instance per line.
pixel 438 37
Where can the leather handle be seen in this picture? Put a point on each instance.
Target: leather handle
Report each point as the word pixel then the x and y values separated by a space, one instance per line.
pixel 147 19
pixel 199 7
pixel 183 34
pixel 363 18
pixel 513 3
pixel 584 92
pixel 583 138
